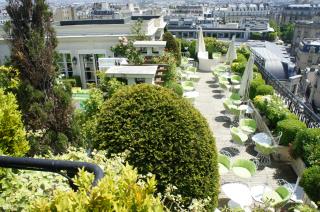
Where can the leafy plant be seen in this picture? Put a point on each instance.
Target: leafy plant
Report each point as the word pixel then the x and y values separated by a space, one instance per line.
pixel 165 136
pixel 9 78
pixel 12 133
pixel 254 85
pixel 289 129
pixel 264 90
pixel 261 102
pixel 238 67
pixel 310 181
pixel 307 146
pixel 176 87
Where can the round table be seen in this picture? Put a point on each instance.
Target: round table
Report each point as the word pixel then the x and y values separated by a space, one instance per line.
pixel 238 192
pixel 262 139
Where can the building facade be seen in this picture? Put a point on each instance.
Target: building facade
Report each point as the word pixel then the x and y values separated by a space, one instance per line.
pixel 308 54
pixel 81 44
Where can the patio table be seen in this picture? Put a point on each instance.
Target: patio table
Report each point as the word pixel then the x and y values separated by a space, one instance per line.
pixel 238 192
pixel 262 139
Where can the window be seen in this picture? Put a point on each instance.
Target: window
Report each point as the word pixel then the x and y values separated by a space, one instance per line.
pixel 65 64
pixel 140 80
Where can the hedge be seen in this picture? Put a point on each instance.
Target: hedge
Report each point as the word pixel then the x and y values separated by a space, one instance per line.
pixel 238 67
pixel 264 90
pixel 176 87
pixel 289 129
pixel 307 146
pixel 310 181
pixel 165 135
pixel 254 85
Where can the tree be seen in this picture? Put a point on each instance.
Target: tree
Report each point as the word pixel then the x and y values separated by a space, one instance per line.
pixel 46 105
pixel 172 46
pixel 137 31
pixel 287 31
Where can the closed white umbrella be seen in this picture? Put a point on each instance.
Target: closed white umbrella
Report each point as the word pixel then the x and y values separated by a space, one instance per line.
pixel 231 53
pixel 247 78
pixel 201 47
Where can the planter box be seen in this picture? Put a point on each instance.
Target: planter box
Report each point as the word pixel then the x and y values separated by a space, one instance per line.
pixel 282 154
pixel 298 166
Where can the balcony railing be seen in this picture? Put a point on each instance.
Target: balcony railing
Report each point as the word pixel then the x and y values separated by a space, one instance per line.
pixel 295 105
pixel 68 169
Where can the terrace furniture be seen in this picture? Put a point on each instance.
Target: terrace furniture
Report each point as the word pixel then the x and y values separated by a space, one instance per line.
pixel 192 69
pixel 194 77
pixel 238 137
pixel 277 198
pixel 244 168
pixel 277 137
pixel 239 193
pixel 248 126
pixel 230 109
pixel 216 55
pixel 258 191
pixel 235 98
pixel 224 163
pixel 264 147
pixel 235 88
pixel 191 95
pixel 188 86
pixel 235 79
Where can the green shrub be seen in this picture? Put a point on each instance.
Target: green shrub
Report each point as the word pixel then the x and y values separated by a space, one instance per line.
pixel 261 103
pixel 244 50
pixel 176 87
pixel 9 78
pixel 307 146
pixel 289 129
pixel 70 82
pixel 241 58
pixel 264 90
pixel 165 135
pixel 121 188
pixel 13 135
pixel 238 67
pixel 310 181
pixel 257 75
pixel 254 85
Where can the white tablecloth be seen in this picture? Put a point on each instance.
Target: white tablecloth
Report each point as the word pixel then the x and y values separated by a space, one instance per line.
pixel 238 192
pixel 262 139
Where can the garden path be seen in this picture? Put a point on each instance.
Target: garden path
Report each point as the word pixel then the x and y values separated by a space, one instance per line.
pixel 210 104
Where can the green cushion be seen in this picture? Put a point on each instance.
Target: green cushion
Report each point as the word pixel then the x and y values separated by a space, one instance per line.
pixel 241 172
pixel 248 125
pixel 247 164
pixel 222 169
pixel 272 197
pixel 238 136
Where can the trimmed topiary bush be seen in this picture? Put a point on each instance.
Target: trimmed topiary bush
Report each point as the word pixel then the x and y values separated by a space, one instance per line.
pixel 254 85
pixel 289 129
pixel 310 182
pixel 165 135
pixel 264 90
pixel 307 146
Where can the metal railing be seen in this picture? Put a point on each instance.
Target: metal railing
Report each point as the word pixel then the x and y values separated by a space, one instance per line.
pixel 67 169
pixel 295 105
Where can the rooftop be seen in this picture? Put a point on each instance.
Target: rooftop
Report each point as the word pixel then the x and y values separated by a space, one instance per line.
pixel 132 70
pixel 147 43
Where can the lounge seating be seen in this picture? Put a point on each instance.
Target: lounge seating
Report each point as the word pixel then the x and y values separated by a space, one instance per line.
pixel 235 98
pixel 277 198
pixel 235 79
pixel 188 86
pixel 244 168
pixel 224 164
pixel 248 126
pixel 238 137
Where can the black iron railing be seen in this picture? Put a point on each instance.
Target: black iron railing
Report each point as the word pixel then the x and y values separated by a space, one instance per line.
pixel 295 105
pixel 67 169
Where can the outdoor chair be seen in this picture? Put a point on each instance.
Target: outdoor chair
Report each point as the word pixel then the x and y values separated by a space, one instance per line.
pixel 188 86
pixel 235 79
pixel 194 77
pixel 238 137
pixel 224 163
pixel 244 168
pixel 264 152
pixel 235 98
pixel 248 126
pixel 277 198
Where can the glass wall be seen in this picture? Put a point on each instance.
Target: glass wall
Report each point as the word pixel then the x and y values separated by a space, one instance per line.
pixel 65 64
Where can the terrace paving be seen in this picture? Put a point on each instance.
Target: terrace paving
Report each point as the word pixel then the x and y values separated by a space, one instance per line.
pixel 210 104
